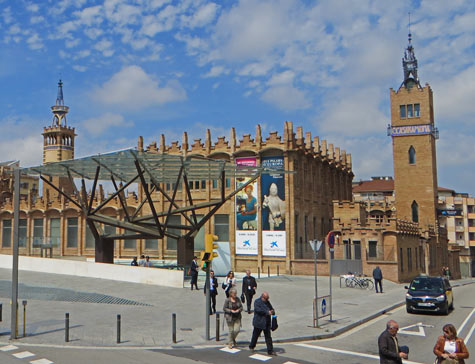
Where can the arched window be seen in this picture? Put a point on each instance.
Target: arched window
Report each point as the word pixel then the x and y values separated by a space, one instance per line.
pixel 412 155
pixel 415 211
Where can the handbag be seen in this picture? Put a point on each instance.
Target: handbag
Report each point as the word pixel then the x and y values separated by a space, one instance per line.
pixel 274 325
pixel 243 298
pixel 224 285
pixel 447 361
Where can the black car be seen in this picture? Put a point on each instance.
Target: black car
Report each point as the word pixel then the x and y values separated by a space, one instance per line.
pixel 429 294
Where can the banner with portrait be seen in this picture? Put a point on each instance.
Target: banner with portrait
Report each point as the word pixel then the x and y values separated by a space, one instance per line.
pixel 246 203
pixel 273 209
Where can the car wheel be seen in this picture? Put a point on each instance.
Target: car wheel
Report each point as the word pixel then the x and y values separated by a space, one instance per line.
pixel 452 304
pixel 409 309
pixel 445 311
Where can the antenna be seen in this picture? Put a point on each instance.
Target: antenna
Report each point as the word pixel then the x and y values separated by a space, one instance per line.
pixel 409 27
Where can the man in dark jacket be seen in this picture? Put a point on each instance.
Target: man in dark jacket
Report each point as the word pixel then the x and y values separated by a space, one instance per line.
pixel 389 349
pixel 194 272
pixel 213 291
pixel 263 312
pixel 378 279
pixel 249 286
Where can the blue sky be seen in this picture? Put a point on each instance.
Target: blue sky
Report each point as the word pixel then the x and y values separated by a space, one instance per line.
pixel 147 67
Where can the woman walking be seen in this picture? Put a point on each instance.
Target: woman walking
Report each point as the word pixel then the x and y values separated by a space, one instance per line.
pixel 232 310
pixel 449 348
pixel 229 282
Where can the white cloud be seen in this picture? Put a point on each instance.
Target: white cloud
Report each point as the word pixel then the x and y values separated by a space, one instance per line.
pixel 133 88
pixel 286 97
pixel 98 125
pixel 203 16
pixel 216 71
pixel 79 68
pixel 24 133
pixel 283 78
pixel 36 19
pixel 32 7
pixel 35 42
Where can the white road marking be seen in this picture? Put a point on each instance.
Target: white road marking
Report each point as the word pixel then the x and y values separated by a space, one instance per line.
pixel 228 350
pixel 260 357
pixel 8 348
pixel 23 355
pixel 467 339
pixel 41 361
pixel 290 362
pixel 420 325
pixel 354 353
pixel 459 330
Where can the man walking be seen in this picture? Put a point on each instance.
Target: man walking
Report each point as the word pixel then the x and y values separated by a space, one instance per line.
pixel 194 273
pixel 249 286
pixel 213 291
pixel 389 350
pixel 378 279
pixel 263 312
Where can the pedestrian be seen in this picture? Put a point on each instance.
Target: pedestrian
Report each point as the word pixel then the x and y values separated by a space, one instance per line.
pixel 134 262
pixel 194 273
pixel 229 282
pixel 249 286
pixel 142 261
pixel 147 262
pixel 213 291
pixel 263 312
pixel 378 279
pixel 232 310
pixel 449 348
pixel 389 350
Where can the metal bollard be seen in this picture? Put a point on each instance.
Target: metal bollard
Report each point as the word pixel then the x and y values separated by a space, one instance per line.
pixel 217 326
pixel 66 328
pixel 258 272
pixel 1 309
pixel 174 328
pixel 24 302
pixel 118 329
pixel 277 270
pixel 268 271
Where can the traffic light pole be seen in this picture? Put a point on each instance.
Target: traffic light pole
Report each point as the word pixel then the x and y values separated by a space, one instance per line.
pixel 208 298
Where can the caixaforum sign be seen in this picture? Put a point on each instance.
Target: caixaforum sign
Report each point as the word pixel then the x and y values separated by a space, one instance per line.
pixel 412 130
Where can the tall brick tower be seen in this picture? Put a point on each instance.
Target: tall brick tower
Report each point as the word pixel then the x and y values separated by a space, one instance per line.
pixel 413 136
pixel 58 141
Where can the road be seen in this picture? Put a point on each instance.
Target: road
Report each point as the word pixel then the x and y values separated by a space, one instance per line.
pixel 418 331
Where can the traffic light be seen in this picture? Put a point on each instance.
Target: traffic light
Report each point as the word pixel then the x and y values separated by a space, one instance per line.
pixel 210 246
pixel 204 256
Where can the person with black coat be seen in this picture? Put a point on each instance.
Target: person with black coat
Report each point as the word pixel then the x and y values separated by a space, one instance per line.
pixel 263 312
pixel 194 273
pixel 389 350
pixel 249 286
pixel 213 291
pixel 378 279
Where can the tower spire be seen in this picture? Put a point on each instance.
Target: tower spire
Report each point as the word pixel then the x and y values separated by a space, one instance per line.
pixel 59 98
pixel 409 62
pixel 59 110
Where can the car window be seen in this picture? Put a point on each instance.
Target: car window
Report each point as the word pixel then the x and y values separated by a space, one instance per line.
pixel 425 284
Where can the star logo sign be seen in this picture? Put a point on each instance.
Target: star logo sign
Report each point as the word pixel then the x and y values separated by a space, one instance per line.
pixel 246 243
pixel 274 244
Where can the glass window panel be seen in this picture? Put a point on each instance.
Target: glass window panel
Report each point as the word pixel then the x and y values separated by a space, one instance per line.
pixel 55 231
pixel 37 232
pixel 151 244
pixel 357 250
pixel 22 231
pixel 347 246
pixel 200 237
pixel 402 111
pixel 172 242
pixel 72 231
pixel 130 244
pixel 373 252
pixel 109 230
pixel 409 111
pixel 215 183
pixel 228 182
pixel 197 185
pixel 90 241
pixel 203 184
pixel 417 110
pixel 221 226
pixel 7 233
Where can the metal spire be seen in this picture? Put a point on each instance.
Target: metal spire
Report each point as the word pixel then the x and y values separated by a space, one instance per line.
pixel 409 62
pixel 59 98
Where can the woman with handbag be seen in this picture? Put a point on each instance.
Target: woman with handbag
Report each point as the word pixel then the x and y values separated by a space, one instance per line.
pixel 229 283
pixel 449 348
pixel 232 310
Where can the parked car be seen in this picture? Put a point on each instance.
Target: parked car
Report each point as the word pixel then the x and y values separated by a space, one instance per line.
pixel 429 294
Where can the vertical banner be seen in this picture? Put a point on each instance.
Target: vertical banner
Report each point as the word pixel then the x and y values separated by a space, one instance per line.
pixel 273 209
pixel 246 212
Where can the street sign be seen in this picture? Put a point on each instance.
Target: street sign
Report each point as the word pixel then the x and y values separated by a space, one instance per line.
pixel 319 244
pixel 331 239
pixel 324 306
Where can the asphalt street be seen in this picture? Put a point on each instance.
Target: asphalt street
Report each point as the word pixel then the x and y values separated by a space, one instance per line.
pixel 418 331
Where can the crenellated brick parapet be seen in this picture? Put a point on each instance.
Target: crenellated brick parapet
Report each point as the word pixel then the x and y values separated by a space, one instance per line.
pixel 408 227
pixel 288 142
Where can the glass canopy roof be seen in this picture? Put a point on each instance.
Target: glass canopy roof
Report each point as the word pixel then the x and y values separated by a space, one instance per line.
pixel 161 167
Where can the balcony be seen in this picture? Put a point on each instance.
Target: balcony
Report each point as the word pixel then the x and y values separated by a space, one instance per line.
pixel 460 229
pixel 471 215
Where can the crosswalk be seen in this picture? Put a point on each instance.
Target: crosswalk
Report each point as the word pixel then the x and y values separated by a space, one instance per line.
pixel 17 353
pixel 259 357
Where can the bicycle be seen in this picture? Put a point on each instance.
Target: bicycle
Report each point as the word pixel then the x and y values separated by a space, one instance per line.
pixel 364 283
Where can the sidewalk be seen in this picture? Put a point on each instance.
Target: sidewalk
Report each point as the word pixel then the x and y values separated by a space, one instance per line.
pixel 146 311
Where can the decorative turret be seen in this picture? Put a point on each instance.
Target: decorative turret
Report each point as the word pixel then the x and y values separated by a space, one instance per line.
pixel 409 65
